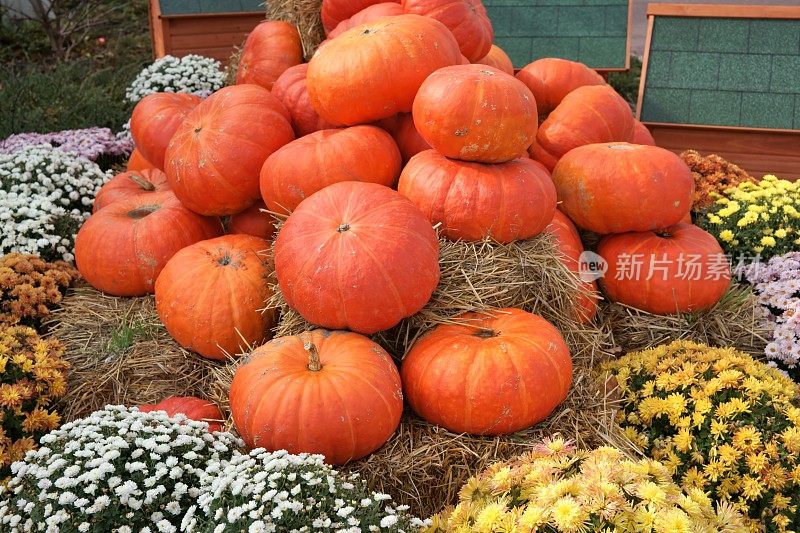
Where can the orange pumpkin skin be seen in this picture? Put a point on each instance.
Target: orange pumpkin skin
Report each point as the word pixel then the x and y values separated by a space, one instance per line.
pixel 335 11
pixel 641 135
pixel 569 242
pixel 290 88
pixel 489 374
pixel 131 183
pixel 194 409
pixel 253 221
pixel 345 404
pixel 271 48
pixel 214 159
pixel 121 249
pixel 375 261
pixel 473 201
pixel 590 114
pixel 348 78
pixel 368 14
pixel 311 163
pixel 620 187
pixel 551 79
pixel 467 19
pixel 209 296
pixel 498 59
pixel 137 162
pixel 154 121
pixel 475 113
pixel 408 139
pixel 665 282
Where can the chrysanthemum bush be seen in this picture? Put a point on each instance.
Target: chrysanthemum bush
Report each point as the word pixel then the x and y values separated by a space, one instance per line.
pixel 556 488
pixel 777 284
pixel 756 219
pixel 32 379
pixel 712 176
pixel 721 422
pixel 91 143
pixel 192 73
pixel 45 195
pixel 31 287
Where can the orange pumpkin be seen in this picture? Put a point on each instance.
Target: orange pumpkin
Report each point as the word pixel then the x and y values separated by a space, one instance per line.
pixel 589 114
pixel 335 11
pixel 192 407
pixel 475 113
pixel 330 392
pixel 498 59
pixel 127 184
pixel 253 221
pixel 681 269
pixel 214 159
pixel 373 71
pixel 121 249
pixel 408 139
pixel 569 243
pixel 154 121
pixel 368 14
pixel 641 135
pixel 473 201
pixel 210 295
pixel 311 163
pixel 619 187
pixel 467 19
pixel 271 48
pixel 137 162
pixel 290 88
pixel 375 260
pixel 551 79
pixel 488 373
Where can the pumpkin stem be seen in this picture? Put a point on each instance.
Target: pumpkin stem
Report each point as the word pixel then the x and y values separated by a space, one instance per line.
pixel 313 357
pixel 143 211
pixel 225 260
pixel 487 333
pixel 664 234
pixel 343 227
pixel 141 182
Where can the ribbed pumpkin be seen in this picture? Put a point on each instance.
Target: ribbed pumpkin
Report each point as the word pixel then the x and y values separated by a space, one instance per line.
pixel 472 201
pixel 375 258
pixel 137 162
pixel 373 71
pixel 569 242
pixel 194 408
pixel 209 296
pixel 253 221
pixel 121 249
pixel 335 11
pixel 368 14
pixel 215 157
pixel 330 392
pixel 619 187
pixel 408 139
pixel 311 163
pixel 271 48
pixel 131 183
pixel 290 88
pixel 641 135
pixel 488 374
pixel 589 114
pixel 498 59
pixel 679 269
pixel 467 19
pixel 154 121
pixel 475 113
pixel 551 79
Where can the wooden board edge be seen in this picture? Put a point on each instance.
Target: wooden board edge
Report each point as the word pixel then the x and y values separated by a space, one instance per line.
pixel 629 37
pixel 723 11
pixel 156 29
pixel 645 58
pixel 740 129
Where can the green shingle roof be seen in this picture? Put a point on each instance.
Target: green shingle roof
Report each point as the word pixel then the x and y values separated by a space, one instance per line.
pixel 186 7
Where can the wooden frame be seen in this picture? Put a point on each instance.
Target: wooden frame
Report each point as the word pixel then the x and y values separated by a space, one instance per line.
pixel 629 32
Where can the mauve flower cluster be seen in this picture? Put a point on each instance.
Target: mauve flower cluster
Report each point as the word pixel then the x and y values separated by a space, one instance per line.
pixel 90 143
pixel 777 284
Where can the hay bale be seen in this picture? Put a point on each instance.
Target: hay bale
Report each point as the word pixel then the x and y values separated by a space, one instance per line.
pixel 305 14
pixel 120 353
pixel 232 68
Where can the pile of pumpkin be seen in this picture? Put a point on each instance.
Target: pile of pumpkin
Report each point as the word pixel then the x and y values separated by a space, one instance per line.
pixel 406 118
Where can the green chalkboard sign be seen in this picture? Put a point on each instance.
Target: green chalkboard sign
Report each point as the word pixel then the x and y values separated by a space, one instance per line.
pixel 594 32
pixel 722 71
pixel 195 7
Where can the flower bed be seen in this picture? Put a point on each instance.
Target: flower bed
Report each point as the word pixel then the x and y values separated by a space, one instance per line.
pixel 191 73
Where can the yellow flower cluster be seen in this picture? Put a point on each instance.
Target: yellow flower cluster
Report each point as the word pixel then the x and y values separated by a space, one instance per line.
pixel 556 488
pixel 30 287
pixel 756 218
pixel 32 377
pixel 721 422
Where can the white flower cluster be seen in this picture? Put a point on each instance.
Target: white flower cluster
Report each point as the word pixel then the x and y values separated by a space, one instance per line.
pixel 45 195
pixel 116 470
pixel 278 492
pixel 193 74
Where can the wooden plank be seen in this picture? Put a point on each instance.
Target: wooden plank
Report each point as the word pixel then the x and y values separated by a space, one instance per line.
pixel 210 40
pixel 156 29
pixel 724 11
pixel 643 75
pixel 205 25
pixel 221 54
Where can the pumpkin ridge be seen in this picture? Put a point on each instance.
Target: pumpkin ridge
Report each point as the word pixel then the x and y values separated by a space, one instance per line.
pixel 551 360
pixel 385 275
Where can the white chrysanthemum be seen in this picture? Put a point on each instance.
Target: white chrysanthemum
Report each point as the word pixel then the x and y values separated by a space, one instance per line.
pixel 192 74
